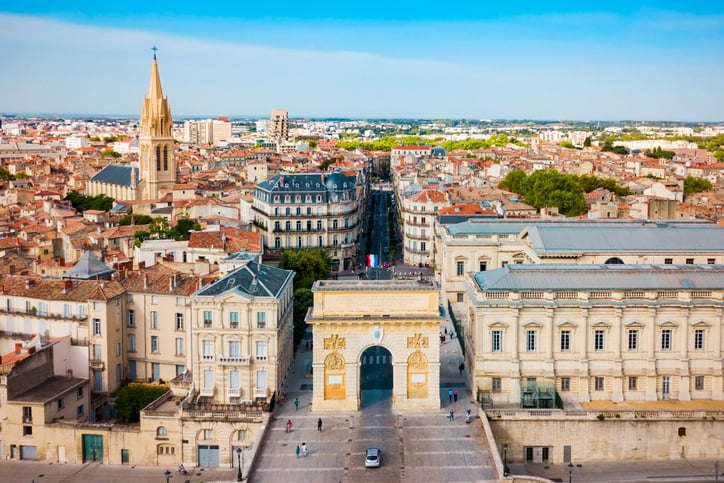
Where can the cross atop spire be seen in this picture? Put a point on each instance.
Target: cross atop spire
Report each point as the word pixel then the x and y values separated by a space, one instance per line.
pixel 155 49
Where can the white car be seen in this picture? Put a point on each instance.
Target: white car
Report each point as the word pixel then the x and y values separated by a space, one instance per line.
pixel 372 458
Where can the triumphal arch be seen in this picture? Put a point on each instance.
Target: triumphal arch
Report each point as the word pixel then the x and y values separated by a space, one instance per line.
pixel 379 327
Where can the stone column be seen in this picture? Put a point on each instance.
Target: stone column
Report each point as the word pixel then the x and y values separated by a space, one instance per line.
pixel 514 373
pixel 617 338
pixel 651 372
pixel 684 370
pixel 583 391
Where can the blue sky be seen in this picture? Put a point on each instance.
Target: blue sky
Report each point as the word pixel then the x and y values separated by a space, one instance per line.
pixel 525 59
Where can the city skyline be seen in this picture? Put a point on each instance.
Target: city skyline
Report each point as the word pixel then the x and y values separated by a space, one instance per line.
pixel 502 62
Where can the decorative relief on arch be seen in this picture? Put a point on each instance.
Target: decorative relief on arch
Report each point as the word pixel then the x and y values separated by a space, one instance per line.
pixel 335 342
pixel 334 376
pixel 417 376
pixel 418 342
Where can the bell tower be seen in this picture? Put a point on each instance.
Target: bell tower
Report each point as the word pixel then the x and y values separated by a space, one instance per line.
pixel 157 161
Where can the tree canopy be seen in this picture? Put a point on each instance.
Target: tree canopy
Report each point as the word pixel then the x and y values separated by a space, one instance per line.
pixel 548 188
pixel 135 220
pixel 659 153
pixel 182 230
pixel 82 202
pixel 696 185
pixel 310 265
pixel 131 399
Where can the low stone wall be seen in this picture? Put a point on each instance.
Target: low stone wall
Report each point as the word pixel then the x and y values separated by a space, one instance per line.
pixel 639 435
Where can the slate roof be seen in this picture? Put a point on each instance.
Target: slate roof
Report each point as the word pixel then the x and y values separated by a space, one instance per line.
pixel 116 174
pixel 88 267
pixel 307 182
pixel 553 239
pixel 602 277
pixel 253 279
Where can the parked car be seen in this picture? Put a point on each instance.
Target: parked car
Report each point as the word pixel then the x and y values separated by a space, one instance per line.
pixel 372 458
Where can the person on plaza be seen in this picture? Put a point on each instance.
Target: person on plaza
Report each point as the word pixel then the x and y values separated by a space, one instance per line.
pixel 461 367
pixel 297 451
pixel 450 394
pixel 452 414
pixel 304 449
pixel 296 403
pixel 455 395
pixel 289 425
pixel 319 424
pixel 445 330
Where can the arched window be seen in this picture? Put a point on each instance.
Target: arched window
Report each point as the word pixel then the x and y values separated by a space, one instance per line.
pixel 161 432
pixel 158 158
pixel 614 261
pixel 165 158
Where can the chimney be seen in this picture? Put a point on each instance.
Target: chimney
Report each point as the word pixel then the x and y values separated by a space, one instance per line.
pixel 67 285
pixel 170 281
pixel 145 282
pixel 29 284
pixel 103 284
pixel 18 348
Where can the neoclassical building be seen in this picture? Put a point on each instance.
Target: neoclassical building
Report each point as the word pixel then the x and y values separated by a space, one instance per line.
pixel 311 210
pixel 375 334
pixel 611 332
pixel 477 245
pixel 157 170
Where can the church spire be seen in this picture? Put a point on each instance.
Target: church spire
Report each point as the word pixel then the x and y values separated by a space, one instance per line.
pixel 155 91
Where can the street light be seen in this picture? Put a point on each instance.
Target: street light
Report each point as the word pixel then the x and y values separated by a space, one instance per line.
pixel 167 474
pixel 506 471
pixel 570 472
pixel 240 464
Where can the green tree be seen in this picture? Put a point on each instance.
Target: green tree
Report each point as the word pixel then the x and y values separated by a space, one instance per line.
pixel 719 155
pixel 109 152
pixel 310 265
pixel 82 202
pixel 139 236
pixel 159 227
pixel 587 142
pixel 5 174
pixel 548 188
pixel 567 144
pixel 181 231
pixel 134 219
pixel 131 399
pixel 659 153
pixel 696 185
pixel 20 175
pixel 514 181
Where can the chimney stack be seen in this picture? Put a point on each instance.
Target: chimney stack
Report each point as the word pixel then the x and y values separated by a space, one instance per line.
pixel 18 348
pixel 145 282
pixel 29 284
pixel 67 285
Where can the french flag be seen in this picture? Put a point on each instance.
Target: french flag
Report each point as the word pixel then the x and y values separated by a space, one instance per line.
pixel 372 261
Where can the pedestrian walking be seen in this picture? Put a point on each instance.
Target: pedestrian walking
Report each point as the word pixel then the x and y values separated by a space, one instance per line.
pixel 445 330
pixel 296 403
pixel 298 451
pixel 304 449
pixel 461 367
pixel 319 424
pixel 455 395
pixel 450 394
pixel 289 425
pixel 452 414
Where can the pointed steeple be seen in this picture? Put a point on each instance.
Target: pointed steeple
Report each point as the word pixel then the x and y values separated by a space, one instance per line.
pixel 155 91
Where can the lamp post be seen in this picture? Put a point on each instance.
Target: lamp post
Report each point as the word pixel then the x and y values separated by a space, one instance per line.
pixel 570 472
pixel 167 474
pixel 506 471
pixel 240 464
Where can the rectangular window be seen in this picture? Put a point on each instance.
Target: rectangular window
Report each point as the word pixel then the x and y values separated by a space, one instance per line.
pixel 699 339
pixel 460 268
pixel 80 411
pixel 234 320
pixel 497 340
pixel 665 385
pixel 96 305
pixel 179 321
pixel 154 343
pixel 180 347
pixel 61 403
pixel 497 384
pixel 207 318
pixel 565 383
pixel 208 378
pixel 565 340
pixel 632 383
pixel 666 340
pixel 154 299
pixel 598 382
pixel 261 379
pixel 261 320
pixel 79 392
pixel 668 261
pixel 131 318
pixel 131 342
pixel 208 434
pixel 633 339
pixel 710 261
pixel 699 383
pixel 483 266
pixel 180 301
pixel 27 414
pixel 27 430
pixel 96 326
pixel 234 348
pixel 261 349
pixel 598 336
pixel 423 246
pixel 119 373
pixel 67 310
pixel 689 261
pixel 530 340
pixel 208 348
pixel 234 380
pixel 460 297
pixel 82 312
pixel 118 348
pixel 154 319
